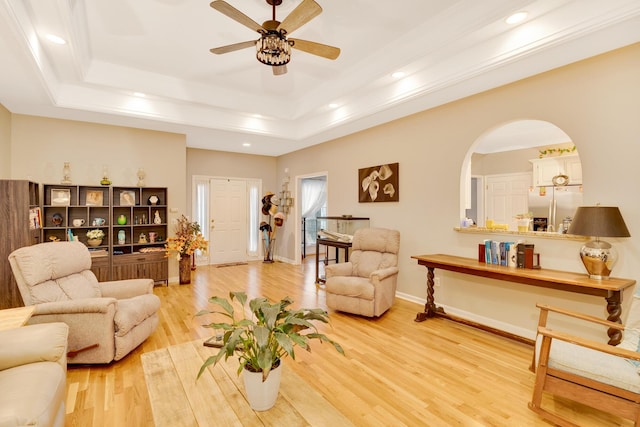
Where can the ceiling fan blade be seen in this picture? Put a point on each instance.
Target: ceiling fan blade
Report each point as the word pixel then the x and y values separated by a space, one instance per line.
pixel 305 12
pixel 233 13
pixel 279 70
pixel 314 48
pixel 232 47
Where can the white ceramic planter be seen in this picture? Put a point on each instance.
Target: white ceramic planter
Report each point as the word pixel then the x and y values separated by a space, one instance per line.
pixel 262 395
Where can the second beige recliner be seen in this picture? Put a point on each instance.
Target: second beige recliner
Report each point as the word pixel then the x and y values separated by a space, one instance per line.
pixel 366 285
pixel 57 279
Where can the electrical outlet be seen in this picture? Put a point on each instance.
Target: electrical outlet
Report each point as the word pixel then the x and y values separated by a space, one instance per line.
pixel 436 282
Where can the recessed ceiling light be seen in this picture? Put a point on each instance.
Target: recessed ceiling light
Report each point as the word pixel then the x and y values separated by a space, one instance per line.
pixel 333 105
pixel 398 74
pixel 516 18
pixel 139 94
pixel 55 39
pixel 246 144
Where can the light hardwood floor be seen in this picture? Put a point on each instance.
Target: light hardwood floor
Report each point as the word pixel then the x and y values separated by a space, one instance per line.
pixel 396 372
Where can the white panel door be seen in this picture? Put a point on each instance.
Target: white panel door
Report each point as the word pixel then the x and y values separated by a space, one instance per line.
pixel 228 220
pixel 506 196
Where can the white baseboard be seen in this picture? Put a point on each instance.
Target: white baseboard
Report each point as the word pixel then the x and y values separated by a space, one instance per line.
pixel 493 323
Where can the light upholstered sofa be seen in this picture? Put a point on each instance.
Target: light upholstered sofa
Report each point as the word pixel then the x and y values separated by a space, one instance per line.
pixel 366 285
pixel 106 319
pixel 33 369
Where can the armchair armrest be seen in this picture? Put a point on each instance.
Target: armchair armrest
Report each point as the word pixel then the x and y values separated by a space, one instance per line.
pixel 86 305
pixel 384 273
pixel 124 289
pixel 45 342
pixel 594 345
pixel 341 269
pixel 545 309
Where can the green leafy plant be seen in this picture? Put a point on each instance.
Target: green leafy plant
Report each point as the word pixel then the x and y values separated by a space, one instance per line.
pixel 559 151
pixel 269 335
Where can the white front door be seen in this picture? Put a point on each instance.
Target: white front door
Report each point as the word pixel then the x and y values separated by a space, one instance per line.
pixel 507 195
pixel 228 207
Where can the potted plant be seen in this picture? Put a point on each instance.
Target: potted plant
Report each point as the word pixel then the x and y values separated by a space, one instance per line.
pixel 262 340
pixel 94 237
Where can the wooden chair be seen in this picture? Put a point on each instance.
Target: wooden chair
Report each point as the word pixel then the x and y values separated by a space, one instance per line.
pixel 592 373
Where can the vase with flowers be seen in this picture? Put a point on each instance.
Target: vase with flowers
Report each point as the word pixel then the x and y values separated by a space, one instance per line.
pixel 187 240
pixel 94 237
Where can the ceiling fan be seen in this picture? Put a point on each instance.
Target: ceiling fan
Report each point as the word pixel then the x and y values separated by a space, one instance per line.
pixel 273 48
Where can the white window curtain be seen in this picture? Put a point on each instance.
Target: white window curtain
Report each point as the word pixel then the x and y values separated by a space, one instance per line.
pixel 200 211
pixel 313 194
pixel 253 202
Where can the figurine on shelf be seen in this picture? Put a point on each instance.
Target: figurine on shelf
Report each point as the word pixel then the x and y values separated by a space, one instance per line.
pixel 142 238
pixel 156 218
pixel 141 176
pixel 66 173
pixel 105 176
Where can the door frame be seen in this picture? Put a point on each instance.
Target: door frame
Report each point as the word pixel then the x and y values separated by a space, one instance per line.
pixel 208 178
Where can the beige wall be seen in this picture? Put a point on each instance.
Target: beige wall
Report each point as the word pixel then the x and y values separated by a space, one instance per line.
pixel 40 146
pixel 594 101
pixel 5 143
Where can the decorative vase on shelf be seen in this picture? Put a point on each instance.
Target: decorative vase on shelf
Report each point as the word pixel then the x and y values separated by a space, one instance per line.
pixel 94 242
pixel 122 220
pixel 185 269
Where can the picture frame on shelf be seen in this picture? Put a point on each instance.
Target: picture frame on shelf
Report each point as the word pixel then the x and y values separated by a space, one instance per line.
pixel 94 198
pixel 60 197
pixel 127 198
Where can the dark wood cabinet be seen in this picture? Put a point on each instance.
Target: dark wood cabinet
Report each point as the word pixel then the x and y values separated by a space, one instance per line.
pixel 19 226
pixel 148 265
pixel 133 220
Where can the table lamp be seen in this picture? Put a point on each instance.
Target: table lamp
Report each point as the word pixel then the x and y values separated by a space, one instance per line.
pixel 598 221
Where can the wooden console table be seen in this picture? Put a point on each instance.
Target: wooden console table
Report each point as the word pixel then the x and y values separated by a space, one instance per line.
pixel 15 317
pixel 610 289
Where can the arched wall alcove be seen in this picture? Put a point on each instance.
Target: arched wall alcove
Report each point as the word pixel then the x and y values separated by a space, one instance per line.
pixel 527 137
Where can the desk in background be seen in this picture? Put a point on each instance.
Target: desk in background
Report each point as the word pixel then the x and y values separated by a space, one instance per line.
pixel 330 243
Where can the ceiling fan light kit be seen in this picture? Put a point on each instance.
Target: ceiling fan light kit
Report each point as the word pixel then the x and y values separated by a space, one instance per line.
pixel 273 48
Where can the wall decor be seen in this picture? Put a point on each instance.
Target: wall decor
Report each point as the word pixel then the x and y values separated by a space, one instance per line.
pixel 60 197
pixel 379 183
pixel 94 197
pixel 127 198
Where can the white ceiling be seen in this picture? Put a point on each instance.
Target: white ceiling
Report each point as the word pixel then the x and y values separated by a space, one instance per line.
pixel 448 50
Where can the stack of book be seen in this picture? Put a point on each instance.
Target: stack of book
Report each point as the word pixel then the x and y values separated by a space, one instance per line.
pixel 509 254
pixel 35 218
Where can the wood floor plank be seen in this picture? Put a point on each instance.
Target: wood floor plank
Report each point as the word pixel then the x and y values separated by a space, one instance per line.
pixel 166 380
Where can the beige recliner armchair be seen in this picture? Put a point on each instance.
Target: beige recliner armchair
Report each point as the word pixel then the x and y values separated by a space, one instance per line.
pixel 33 374
pixel 106 320
pixel 366 285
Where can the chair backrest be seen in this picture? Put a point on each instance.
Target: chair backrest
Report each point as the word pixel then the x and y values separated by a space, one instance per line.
pixel 631 337
pixel 55 271
pixel 374 249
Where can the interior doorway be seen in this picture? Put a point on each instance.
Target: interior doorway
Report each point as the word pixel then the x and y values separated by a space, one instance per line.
pixel 312 194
